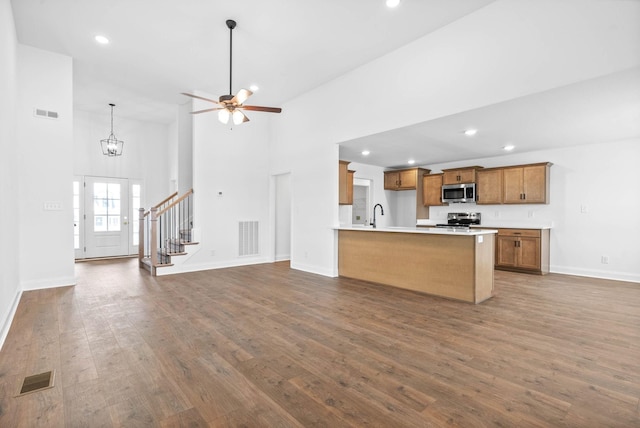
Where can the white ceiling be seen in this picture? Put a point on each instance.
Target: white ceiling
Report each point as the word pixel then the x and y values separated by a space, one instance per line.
pixel 160 48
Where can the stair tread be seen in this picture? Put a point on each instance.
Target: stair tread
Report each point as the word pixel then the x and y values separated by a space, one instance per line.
pixel 189 243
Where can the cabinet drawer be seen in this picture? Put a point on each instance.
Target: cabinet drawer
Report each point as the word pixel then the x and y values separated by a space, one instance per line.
pixel 530 233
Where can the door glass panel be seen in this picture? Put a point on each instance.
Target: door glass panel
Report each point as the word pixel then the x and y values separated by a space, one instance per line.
pixel 114 223
pixel 100 223
pixel 100 206
pixel 113 191
pixel 100 190
pixel 106 207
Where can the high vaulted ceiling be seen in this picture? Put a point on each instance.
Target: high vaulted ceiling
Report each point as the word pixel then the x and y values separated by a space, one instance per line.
pixel 160 48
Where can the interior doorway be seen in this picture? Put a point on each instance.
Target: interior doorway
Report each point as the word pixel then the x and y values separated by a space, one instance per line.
pixel 361 198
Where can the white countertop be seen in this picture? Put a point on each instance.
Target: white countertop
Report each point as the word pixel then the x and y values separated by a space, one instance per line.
pixel 498 224
pixel 423 230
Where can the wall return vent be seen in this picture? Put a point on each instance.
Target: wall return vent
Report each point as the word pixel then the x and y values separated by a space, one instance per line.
pixel 45 113
pixel 248 244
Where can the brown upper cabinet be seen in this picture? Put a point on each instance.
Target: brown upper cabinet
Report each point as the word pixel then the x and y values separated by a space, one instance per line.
pixel 460 175
pixel 403 179
pixel 432 190
pixel 345 183
pixel 526 184
pixel 489 186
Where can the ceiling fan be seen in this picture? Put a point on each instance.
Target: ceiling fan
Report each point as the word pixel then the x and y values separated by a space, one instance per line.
pixel 231 106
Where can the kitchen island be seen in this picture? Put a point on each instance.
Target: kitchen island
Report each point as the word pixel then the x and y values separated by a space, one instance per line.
pixel 442 262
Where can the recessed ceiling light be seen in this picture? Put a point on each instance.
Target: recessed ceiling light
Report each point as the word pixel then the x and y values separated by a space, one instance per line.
pixel 509 147
pixel 411 161
pixel 365 152
pixel 102 40
pixel 254 88
pixel 393 3
pixel 470 132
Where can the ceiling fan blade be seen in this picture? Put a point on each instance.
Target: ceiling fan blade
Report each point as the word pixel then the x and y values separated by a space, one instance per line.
pixel 200 98
pixel 241 96
pixel 206 110
pixel 259 108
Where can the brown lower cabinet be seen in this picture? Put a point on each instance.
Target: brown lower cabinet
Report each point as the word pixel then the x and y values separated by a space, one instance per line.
pixel 523 250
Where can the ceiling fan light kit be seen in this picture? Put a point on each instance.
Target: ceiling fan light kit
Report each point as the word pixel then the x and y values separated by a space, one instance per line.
pixel 231 106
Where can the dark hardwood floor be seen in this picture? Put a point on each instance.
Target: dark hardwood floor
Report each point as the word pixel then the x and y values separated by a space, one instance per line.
pixel 266 346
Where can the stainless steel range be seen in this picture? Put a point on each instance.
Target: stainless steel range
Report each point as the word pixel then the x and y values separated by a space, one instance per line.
pixel 461 220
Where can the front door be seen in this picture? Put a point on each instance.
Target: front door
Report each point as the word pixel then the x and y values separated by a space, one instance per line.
pixel 107 221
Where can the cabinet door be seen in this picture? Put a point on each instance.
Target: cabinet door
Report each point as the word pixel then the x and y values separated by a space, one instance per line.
pixel 512 185
pixel 408 179
pixel 391 180
pixel 534 184
pixel 529 253
pixel 450 177
pixel 489 186
pixel 432 190
pixel 467 176
pixel 342 182
pixel 349 198
pixel 506 251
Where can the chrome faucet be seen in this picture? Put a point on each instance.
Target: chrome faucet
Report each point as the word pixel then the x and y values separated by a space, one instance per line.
pixel 374 214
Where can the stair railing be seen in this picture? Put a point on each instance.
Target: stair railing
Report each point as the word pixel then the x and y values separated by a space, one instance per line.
pixel 164 230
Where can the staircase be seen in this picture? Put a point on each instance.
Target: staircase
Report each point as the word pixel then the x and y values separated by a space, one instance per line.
pixel 166 232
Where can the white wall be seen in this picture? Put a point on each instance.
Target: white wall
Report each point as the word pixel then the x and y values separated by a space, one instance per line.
pixel 145 153
pixel 231 184
pixel 282 216
pixel 9 172
pixel 505 50
pixel 185 148
pixel 598 177
pixel 45 168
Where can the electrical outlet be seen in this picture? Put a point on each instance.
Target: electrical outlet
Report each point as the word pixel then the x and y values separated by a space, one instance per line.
pixel 531 214
pixel 604 260
pixel 584 209
pixel 213 252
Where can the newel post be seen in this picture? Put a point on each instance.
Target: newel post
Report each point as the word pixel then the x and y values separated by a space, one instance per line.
pixel 154 237
pixel 140 234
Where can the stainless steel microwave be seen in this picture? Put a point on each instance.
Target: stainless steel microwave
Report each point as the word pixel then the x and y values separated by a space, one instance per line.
pixel 457 193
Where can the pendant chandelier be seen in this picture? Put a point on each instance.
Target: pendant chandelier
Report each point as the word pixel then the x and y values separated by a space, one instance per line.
pixel 111 146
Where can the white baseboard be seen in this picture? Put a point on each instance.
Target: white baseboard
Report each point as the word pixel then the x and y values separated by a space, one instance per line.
pixel 6 325
pixel 172 270
pixel 597 273
pixel 314 269
pixel 41 284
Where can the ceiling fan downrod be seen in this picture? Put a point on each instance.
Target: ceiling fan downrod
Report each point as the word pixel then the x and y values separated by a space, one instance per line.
pixel 231 24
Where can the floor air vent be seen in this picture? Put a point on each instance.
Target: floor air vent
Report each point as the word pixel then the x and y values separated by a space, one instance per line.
pixel 37 383
pixel 248 238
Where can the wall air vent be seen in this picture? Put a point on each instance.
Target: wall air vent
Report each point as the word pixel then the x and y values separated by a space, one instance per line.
pixel 45 113
pixel 248 244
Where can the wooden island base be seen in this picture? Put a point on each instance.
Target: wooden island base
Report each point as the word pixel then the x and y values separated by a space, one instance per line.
pixel 457 266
